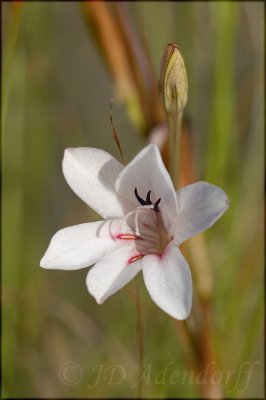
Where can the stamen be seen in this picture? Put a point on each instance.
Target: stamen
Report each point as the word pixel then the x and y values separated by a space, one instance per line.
pixel 156 205
pixel 135 258
pixel 148 201
pixel 127 236
pixel 136 212
pixel 141 209
pixel 140 200
pixel 148 198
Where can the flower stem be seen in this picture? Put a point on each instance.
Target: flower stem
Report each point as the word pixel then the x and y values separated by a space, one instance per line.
pixel 140 341
pixel 174 126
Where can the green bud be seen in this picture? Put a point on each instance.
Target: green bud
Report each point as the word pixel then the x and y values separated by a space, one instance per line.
pixel 173 80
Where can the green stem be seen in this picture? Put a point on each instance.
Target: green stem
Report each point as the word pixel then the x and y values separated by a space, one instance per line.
pixel 174 126
pixel 9 57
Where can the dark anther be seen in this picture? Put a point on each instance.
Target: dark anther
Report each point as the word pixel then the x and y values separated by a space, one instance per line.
pixel 156 205
pixel 148 198
pixel 148 201
pixel 140 200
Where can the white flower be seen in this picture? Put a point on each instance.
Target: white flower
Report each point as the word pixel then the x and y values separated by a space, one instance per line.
pixel 145 222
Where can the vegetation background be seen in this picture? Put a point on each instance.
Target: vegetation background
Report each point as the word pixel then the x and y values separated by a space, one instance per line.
pixel 56 90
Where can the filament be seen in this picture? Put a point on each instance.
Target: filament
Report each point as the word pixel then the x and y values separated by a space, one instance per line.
pixel 137 212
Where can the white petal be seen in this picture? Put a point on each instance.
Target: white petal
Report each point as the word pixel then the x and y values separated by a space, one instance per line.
pixel 168 280
pixel 147 172
pixel 79 246
pixel 91 174
pixel 112 273
pixel 199 207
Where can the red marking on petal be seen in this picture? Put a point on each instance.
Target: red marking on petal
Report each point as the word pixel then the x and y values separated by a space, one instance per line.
pixel 127 236
pixel 147 226
pixel 135 258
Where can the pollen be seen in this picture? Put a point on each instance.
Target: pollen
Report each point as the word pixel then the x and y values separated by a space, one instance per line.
pixel 135 258
pixel 127 236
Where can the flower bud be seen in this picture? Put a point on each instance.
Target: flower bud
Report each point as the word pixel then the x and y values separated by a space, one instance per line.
pixel 173 80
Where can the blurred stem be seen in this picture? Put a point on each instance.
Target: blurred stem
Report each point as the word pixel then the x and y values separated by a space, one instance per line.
pixel 196 331
pixel 256 328
pixel 127 61
pixel 100 20
pixel 12 34
pixel 197 336
pixel 140 340
pixel 142 71
pixel 222 116
pixel 195 248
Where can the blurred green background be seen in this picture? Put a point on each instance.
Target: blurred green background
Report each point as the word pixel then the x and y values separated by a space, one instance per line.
pixel 56 91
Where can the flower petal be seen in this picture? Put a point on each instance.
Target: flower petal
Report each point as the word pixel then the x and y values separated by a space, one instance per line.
pixel 79 246
pixel 91 174
pixel 147 172
pixel 199 207
pixel 112 273
pixel 168 280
